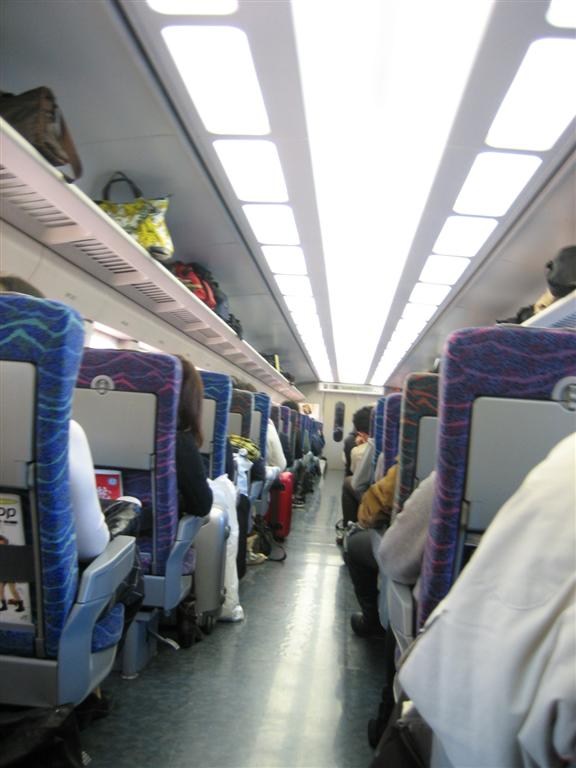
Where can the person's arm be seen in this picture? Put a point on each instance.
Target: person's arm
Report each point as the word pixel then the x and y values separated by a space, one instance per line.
pixel 92 533
pixel 274 453
pixel 194 491
pixel 402 546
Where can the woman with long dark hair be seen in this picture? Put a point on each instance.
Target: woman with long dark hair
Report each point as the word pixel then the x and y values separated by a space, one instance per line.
pixel 194 493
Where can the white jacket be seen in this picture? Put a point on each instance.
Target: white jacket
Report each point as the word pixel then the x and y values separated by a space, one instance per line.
pixel 494 671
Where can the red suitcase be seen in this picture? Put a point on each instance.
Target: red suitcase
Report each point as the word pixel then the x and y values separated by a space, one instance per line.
pixel 279 515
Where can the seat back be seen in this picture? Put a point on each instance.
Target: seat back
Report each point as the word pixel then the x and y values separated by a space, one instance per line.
pixel 415 434
pixel 391 429
pixel 506 399
pixel 240 413
pixel 127 402
pixel 215 411
pixel 60 642
pixel 378 416
pixel 275 416
pixel 418 424
pixel 295 433
pixel 285 422
pixel 40 349
pixel 260 417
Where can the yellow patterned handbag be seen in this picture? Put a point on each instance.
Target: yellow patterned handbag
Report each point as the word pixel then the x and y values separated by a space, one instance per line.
pixel 142 218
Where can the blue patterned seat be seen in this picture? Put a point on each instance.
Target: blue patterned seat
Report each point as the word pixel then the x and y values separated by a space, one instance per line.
pixel 416 457
pixel 64 643
pixel 210 544
pixel 391 429
pixel 378 412
pixel 263 407
pixel 275 416
pixel 241 408
pixel 127 401
pixel 518 371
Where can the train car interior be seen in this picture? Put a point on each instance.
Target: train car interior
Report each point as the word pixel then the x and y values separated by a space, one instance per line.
pixel 317 210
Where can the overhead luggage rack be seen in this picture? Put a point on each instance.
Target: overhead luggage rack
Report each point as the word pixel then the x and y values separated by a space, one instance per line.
pixel 35 199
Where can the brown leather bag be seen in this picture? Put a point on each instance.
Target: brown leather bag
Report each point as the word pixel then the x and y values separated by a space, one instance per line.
pixel 37 117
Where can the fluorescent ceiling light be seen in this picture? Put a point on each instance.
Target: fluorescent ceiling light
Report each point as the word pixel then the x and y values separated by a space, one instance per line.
pixel 392 67
pixel 463 235
pixel 285 259
pixel 294 285
pixel 301 305
pixel 272 224
pixel 194 7
pixel 424 293
pixel 419 311
pixel 494 182
pixel 216 66
pixel 406 326
pixel 443 269
pixel 537 110
pixel 253 169
pixel 562 13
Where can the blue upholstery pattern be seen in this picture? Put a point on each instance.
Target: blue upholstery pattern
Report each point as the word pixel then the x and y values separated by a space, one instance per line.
pixel 218 387
pixel 49 335
pixel 391 428
pixel 108 630
pixel 295 432
pixel 285 419
pixel 275 416
pixel 262 405
pixel 419 398
pixel 378 412
pixel 160 375
pixel 498 362
pixel 243 403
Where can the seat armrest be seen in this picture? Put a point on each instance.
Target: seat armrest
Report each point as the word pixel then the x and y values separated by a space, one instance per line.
pixel 188 527
pixel 104 574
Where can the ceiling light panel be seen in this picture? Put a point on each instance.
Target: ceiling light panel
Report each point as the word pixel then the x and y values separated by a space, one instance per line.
pixel 393 67
pixel 494 182
pixel 294 285
pixel 419 311
pixel 253 169
pixel 445 270
pixel 216 66
pixel 303 306
pixel 272 224
pixel 562 13
pixel 285 259
pixel 194 7
pixel 424 293
pixel 537 109
pixel 464 235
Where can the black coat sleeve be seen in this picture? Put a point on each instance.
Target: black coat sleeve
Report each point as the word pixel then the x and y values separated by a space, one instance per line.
pixel 194 493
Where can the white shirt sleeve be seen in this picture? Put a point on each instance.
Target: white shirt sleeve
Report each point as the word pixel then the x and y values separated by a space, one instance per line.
pixel 274 453
pixel 92 534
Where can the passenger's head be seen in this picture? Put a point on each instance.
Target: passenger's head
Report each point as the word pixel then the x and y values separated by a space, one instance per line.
pixel 361 419
pixel 190 405
pixel 292 405
pixel 15 284
pixel 242 385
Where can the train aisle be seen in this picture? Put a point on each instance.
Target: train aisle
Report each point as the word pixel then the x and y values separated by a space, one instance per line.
pixel 289 687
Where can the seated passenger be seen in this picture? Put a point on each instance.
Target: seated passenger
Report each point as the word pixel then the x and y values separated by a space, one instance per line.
pixel 352 492
pixel 194 493
pixel 492 673
pixel 373 518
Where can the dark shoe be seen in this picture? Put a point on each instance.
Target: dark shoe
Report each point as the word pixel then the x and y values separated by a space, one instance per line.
pixel 298 501
pixel 364 628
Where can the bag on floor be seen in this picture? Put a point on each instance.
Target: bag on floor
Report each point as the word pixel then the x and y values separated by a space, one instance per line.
pixel 265 542
pixel 36 116
pixel 42 738
pixel 279 514
pixel 142 218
